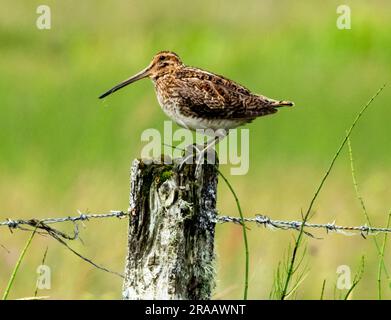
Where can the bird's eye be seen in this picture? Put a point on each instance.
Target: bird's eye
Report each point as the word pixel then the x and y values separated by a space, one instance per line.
pixel 161 58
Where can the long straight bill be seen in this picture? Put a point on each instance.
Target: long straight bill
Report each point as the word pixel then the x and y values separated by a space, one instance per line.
pixel 142 74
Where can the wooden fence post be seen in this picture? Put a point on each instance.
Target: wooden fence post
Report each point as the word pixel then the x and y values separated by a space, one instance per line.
pixel 171 232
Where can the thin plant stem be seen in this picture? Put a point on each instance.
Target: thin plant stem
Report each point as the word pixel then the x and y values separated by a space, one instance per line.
pixel 355 184
pixel 17 265
pixel 306 216
pixel 246 250
pixel 42 263
pixel 381 259
pixel 357 278
pixel 323 287
pixel 365 212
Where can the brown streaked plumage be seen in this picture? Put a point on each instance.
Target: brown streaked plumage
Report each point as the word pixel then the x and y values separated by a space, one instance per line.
pixel 198 99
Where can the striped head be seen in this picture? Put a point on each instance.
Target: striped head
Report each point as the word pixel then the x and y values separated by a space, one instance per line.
pixel 162 63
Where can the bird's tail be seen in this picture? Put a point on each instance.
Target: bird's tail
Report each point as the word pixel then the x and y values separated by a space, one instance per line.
pixel 283 103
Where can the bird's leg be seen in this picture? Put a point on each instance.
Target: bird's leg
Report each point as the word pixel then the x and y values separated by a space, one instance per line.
pixel 220 134
pixel 189 155
pixel 200 160
pixel 201 151
pixel 189 149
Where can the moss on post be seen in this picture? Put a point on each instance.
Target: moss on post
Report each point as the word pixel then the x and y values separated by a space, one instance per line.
pixel 171 232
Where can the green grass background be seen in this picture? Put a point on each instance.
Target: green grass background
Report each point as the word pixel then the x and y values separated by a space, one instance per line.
pixel 62 149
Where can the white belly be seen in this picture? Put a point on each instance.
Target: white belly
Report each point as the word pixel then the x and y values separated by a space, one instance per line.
pixel 191 123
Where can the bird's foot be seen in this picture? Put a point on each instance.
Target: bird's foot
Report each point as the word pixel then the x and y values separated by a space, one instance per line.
pixel 190 155
pixel 195 154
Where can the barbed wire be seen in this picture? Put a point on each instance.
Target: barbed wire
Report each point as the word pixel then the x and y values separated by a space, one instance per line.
pixel 41 226
pixel 260 220
pixel 13 224
pixel 296 225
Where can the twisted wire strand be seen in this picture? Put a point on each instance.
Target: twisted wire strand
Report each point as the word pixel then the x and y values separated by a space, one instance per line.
pixel 260 220
pixel 296 225
pixel 43 226
pixel 13 224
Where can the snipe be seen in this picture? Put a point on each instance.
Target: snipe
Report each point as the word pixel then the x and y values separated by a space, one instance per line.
pixel 198 99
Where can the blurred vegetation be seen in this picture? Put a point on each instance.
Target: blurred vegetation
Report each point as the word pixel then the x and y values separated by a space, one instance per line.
pixel 62 149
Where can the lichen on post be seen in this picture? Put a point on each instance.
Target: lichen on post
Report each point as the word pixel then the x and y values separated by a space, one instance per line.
pixel 171 232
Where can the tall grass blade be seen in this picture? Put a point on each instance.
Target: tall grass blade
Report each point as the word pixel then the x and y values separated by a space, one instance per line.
pixel 246 250
pixel 381 260
pixel 17 265
pixel 331 165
